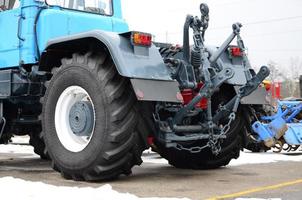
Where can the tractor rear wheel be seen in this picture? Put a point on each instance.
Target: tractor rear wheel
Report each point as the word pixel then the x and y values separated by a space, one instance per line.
pixel 91 127
pixel 230 147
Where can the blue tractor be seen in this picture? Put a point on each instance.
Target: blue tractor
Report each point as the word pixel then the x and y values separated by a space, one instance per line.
pixel 93 95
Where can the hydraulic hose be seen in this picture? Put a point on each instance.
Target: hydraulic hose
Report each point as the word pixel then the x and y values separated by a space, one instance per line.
pixel 35 30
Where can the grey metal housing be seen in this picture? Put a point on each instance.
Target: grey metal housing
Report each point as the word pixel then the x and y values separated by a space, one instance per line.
pixel 135 62
pixel 236 65
pixel 130 61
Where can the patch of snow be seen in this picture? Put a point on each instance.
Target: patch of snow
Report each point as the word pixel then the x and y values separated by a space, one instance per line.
pixel 152 157
pixel 265 157
pixel 20 139
pixel 16 148
pixel 28 190
pixel 23 151
pixel 246 157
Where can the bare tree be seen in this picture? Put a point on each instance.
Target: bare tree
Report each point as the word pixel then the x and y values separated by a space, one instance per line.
pixel 294 70
pixel 289 76
pixel 274 71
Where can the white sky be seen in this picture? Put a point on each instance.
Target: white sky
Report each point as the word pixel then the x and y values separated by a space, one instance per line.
pixel 272 28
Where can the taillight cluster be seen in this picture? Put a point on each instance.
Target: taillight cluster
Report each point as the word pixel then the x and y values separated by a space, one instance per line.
pixel 235 51
pixel 141 39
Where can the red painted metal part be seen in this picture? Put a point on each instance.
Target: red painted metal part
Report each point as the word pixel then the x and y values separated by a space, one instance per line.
pixel 277 88
pixel 150 140
pixel 274 88
pixel 189 94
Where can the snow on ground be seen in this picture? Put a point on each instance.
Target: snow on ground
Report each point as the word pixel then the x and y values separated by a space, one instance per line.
pixel 23 151
pixel 20 140
pixel 28 190
pixel 246 157
pixel 265 157
pixel 36 191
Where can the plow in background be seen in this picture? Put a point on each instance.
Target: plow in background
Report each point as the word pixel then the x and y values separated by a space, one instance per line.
pixel 282 130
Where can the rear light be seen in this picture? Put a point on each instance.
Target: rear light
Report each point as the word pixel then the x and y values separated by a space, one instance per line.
pixel 141 39
pixel 267 85
pixel 235 51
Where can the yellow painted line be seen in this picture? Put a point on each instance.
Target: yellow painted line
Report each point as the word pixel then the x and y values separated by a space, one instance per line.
pixel 259 189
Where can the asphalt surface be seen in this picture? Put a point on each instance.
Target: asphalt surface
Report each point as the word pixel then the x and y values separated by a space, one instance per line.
pixel 272 180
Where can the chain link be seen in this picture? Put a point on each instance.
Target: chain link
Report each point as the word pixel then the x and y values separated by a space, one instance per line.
pixel 196 149
pixel 214 141
pixel 227 127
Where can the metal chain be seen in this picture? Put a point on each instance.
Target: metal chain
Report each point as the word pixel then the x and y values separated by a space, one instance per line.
pixel 196 149
pixel 213 142
pixel 227 127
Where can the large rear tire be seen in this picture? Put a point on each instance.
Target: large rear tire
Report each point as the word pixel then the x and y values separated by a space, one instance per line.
pixel 91 127
pixel 230 147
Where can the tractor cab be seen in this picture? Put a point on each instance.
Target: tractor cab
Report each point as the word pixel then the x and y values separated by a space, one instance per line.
pixel 103 7
pixel 31 24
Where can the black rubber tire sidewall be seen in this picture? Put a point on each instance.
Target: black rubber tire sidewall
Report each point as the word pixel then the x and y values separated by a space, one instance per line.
pixel 65 159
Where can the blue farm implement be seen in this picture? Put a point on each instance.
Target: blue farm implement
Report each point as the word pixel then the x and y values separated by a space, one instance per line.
pixel 283 130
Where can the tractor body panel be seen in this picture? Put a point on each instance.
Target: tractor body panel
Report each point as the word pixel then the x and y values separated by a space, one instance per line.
pixel 32 25
pixel 234 63
pixel 56 25
pixel 154 90
pixel 9 47
pixel 131 61
pixel 258 97
pixel 56 22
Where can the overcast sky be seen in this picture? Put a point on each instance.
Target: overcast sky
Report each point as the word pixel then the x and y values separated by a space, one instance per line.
pixel 272 28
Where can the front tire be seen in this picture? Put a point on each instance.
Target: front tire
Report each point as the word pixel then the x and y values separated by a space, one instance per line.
pixel 90 124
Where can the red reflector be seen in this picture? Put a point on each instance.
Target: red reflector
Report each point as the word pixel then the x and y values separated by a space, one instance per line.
pixel 235 51
pixel 139 94
pixel 141 39
pixel 180 97
pixel 150 140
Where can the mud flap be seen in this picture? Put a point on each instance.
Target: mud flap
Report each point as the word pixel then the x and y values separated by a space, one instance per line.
pixel 258 97
pixel 155 90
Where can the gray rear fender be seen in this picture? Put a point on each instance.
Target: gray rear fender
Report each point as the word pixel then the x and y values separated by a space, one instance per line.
pixel 142 65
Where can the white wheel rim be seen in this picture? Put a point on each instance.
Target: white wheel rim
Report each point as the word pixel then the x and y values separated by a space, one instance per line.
pixel 67 99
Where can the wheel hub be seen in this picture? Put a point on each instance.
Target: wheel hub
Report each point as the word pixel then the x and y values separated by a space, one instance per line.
pixel 75 118
pixel 81 118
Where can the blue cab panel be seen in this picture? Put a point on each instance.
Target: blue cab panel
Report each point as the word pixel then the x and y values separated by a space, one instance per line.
pixel 18 41
pixel 9 42
pixel 71 22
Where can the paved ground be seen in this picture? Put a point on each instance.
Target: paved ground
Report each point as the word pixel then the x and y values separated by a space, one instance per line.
pixel 272 180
